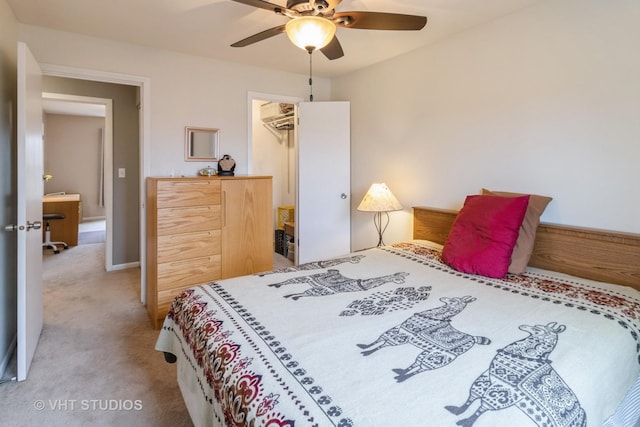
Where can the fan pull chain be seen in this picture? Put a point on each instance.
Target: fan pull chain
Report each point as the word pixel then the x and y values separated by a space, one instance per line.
pixel 310 76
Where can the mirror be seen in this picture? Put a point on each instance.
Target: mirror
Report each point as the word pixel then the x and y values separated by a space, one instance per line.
pixel 201 144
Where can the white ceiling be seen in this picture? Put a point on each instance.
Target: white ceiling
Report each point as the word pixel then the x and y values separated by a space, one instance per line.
pixel 207 28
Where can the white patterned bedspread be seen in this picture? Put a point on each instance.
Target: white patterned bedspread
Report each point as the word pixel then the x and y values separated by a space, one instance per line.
pixel 393 337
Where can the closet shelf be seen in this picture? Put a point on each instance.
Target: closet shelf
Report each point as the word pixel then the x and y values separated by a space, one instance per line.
pixel 280 122
pixel 277 116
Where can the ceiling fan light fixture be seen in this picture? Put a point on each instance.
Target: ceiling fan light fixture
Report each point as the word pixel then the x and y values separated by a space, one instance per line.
pixel 310 32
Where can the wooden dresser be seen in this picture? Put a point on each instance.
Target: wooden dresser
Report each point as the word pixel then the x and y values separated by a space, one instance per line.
pixel 204 229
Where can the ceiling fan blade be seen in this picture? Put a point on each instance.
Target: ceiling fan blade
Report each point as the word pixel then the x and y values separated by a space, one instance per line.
pixel 261 4
pixel 260 36
pixel 333 50
pixel 379 21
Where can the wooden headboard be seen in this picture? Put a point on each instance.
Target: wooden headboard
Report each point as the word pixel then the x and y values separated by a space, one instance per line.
pixel 605 256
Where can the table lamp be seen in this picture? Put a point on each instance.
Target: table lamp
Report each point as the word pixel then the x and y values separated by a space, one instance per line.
pixel 379 199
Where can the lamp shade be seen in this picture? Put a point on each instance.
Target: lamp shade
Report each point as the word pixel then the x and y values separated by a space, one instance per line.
pixel 310 32
pixel 379 199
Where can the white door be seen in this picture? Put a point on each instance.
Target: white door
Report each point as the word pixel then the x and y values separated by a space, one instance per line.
pixel 30 190
pixel 323 208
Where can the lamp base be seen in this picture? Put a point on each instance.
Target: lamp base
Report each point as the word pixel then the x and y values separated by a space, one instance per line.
pixel 377 222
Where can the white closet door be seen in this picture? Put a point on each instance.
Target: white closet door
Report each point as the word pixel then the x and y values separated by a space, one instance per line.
pixel 323 209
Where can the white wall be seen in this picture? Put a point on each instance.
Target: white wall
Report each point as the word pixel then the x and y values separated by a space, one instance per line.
pixel 72 154
pixel 186 90
pixel 546 100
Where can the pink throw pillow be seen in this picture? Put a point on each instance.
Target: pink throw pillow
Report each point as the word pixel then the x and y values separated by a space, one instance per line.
pixel 484 233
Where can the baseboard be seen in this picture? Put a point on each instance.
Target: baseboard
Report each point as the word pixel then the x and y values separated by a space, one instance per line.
pixel 93 218
pixel 8 355
pixel 125 266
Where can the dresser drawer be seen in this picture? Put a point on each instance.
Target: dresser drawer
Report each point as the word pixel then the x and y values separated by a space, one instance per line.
pixel 191 192
pixel 189 219
pixel 176 247
pixel 177 274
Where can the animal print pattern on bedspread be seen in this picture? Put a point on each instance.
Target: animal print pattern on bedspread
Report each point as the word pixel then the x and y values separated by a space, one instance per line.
pixel 430 331
pixel 333 282
pixel 388 301
pixel 237 388
pixel 590 298
pixel 521 375
pixel 316 265
pixel 240 355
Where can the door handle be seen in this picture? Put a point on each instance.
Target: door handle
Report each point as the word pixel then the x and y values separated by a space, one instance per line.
pixel 35 225
pixel 343 196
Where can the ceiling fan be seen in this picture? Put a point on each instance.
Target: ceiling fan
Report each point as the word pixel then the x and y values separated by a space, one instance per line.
pixel 323 13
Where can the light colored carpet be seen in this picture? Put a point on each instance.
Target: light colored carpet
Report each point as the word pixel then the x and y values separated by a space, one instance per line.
pixel 95 363
pixel 88 237
pixel 92 225
pixel 280 261
pixel 92 231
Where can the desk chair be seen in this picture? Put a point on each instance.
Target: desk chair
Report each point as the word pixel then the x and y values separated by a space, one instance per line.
pixel 47 233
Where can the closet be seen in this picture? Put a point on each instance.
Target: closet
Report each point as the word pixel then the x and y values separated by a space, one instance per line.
pixel 274 154
pixel 204 229
pixel 308 154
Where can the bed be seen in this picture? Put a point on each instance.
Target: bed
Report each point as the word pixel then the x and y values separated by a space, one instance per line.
pixel 393 336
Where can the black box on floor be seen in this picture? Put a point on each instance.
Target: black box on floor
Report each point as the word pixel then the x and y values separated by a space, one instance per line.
pixel 281 244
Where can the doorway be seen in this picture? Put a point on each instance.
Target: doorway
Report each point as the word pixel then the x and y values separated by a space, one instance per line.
pixel 78 152
pixel 321 142
pixel 30 100
pixel 124 255
pixel 272 152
